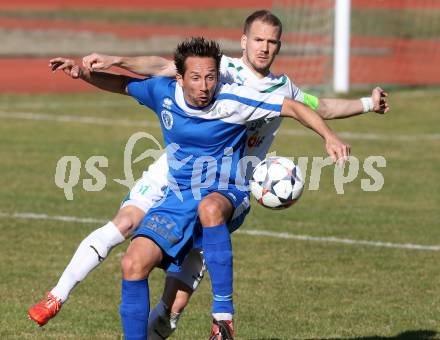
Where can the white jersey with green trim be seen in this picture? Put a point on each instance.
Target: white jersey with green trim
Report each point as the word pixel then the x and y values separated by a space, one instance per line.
pixel 260 133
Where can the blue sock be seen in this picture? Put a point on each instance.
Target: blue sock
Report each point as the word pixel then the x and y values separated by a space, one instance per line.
pixel 134 309
pixel 217 250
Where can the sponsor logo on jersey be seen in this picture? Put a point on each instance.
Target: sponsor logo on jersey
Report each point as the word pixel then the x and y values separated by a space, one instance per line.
pixel 167 119
pixel 256 124
pixel 167 102
pixel 255 140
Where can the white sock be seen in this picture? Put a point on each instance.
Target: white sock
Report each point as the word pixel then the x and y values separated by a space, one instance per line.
pixel 222 316
pixel 161 323
pixel 91 251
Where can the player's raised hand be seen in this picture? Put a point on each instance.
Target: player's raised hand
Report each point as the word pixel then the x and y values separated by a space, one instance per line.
pixel 379 97
pixel 96 61
pixel 68 66
pixel 337 149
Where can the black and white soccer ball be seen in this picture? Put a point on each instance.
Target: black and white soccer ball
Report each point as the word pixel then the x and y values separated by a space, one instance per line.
pixel 277 183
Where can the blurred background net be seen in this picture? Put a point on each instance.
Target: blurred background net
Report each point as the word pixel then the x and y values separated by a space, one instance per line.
pixel 393 42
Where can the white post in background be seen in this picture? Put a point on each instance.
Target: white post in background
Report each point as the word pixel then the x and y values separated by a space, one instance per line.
pixel 341 61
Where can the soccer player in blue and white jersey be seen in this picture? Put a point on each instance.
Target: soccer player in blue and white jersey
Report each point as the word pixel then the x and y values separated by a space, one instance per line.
pixel 260 42
pixel 208 122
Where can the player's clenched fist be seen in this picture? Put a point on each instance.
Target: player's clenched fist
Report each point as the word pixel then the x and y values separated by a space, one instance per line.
pixel 379 98
pixel 96 61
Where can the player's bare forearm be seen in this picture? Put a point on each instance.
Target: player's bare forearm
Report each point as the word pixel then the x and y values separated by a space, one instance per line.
pixel 106 81
pixel 142 65
pixel 331 108
pixel 103 80
pixel 335 147
pixel 149 66
pixel 305 116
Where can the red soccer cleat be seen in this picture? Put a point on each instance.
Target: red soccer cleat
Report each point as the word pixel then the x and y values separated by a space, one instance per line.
pixel 45 310
pixel 222 330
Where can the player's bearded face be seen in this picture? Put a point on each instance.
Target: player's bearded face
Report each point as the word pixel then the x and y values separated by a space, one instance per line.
pixel 260 46
pixel 199 81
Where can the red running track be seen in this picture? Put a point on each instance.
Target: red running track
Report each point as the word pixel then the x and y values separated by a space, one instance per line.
pixel 34 76
pixel 405 62
pixel 133 4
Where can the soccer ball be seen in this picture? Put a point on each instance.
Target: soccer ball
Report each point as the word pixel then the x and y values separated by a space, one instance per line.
pixel 277 183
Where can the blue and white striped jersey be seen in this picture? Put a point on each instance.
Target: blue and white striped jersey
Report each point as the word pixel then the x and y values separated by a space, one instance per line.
pixel 201 138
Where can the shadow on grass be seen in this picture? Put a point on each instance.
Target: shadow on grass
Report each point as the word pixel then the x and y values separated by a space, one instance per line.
pixel 408 335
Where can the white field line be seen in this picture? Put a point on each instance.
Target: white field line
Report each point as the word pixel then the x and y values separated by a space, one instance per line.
pixel 379 244
pixel 144 123
pixel 88 103
pixel 287 236
pixel 77 119
pixel 33 216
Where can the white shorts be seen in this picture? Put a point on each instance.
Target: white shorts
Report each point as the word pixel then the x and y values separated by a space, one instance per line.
pixel 150 187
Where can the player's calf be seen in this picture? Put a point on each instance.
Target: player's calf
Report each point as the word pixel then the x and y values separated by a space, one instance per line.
pixel 179 287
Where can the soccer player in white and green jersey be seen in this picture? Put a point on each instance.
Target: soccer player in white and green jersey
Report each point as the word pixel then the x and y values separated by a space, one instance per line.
pixel 260 43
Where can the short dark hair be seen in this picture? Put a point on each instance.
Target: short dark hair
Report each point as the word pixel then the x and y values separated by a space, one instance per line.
pixel 265 16
pixel 196 47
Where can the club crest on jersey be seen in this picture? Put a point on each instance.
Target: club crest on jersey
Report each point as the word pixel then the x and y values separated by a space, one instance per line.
pixel 256 124
pixel 167 119
pixel 167 102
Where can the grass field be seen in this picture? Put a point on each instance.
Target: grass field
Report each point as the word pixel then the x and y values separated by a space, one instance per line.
pixel 192 17
pixel 285 288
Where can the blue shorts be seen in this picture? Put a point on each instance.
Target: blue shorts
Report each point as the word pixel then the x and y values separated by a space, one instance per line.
pixel 241 204
pixel 171 224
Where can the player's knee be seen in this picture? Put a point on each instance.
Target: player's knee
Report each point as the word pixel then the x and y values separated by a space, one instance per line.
pixel 133 267
pixel 141 257
pixel 214 211
pixel 127 220
pixel 124 224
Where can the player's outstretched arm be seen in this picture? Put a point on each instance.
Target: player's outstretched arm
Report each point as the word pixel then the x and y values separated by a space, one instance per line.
pixel 142 65
pixel 111 82
pixel 332 108
pixel 335 147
